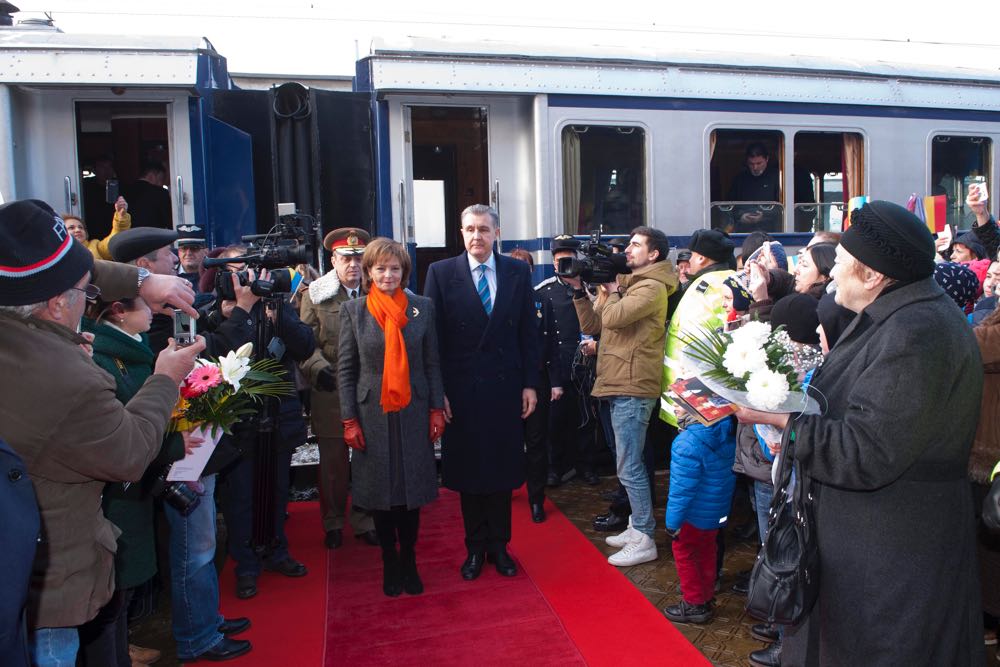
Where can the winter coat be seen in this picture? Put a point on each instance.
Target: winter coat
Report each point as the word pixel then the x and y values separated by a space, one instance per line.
pixel 989 236
pixel 701 475
pixel 986 447
pixel 486 362
pixel 632 326
pixel 894 516
pixel 320 309
pixel 21 526
pixel 750 459
pixel 360 364
pixel 699 308
pixel 74 435
pixel 99 247
pixel 130 508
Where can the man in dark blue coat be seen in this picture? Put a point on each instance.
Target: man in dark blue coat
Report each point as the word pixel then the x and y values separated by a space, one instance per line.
pixel 490 363
pixel 21 526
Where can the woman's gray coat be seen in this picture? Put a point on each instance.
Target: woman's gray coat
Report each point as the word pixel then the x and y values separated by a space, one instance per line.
pixel 360 360
pixel 894 520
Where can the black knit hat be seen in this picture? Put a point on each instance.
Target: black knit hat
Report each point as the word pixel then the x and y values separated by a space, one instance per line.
pixel 137 242
pixel 38 257
pixel 891 240
pixel 713 244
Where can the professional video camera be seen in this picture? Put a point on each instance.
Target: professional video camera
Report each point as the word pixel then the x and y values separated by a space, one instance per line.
pixel 599 264
pixel 288 243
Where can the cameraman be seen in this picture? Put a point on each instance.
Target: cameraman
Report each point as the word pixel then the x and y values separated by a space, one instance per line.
pixel 630 316
pixel 65 421
pixel 292 342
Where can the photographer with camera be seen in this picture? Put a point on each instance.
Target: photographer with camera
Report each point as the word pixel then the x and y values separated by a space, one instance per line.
pixel 244 297
pixel 630 315
pixel 65 422
pixel 199 629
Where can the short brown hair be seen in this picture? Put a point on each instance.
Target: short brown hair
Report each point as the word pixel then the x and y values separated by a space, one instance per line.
pixel 381 249
pixel 523 255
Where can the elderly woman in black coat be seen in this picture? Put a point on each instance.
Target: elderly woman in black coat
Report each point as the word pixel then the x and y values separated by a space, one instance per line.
pixel 391 401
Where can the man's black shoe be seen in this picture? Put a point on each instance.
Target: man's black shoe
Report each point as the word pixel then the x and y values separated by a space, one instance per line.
pixel 689 613
pixel 234 626
pixel 767 657
pixel 472 566
pixel 610 523
pixel 227 649
pixel 368 537
pixel 742 585
pixel 288 567
pixel 553 479
pixel 590 478
pixel 764 632
pixel 334 538
pixel 537 512
pixel 246 586
pixel 504 563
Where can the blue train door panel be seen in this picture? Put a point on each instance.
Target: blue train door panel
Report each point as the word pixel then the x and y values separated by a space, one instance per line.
pixel 229 184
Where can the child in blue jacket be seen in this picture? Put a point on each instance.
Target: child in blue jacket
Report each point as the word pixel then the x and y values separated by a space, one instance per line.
pixel 701 492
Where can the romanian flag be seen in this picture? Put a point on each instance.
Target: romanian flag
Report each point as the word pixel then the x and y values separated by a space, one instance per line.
pixel 853 203
pixel 935 213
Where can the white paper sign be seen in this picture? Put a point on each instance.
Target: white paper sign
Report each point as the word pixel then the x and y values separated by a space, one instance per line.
pixel 189 468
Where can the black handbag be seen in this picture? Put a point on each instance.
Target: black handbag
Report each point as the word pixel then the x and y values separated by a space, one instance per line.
pixel 784 582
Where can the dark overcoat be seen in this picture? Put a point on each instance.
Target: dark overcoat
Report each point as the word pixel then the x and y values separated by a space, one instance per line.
pixel 21 526
pixel 894 518
pixel 360 364
pixel 486 362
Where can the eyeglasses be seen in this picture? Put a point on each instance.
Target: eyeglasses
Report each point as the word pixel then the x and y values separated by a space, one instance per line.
pixel 90 291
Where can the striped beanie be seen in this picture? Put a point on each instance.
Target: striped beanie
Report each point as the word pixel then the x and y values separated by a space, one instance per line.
pixel 38 257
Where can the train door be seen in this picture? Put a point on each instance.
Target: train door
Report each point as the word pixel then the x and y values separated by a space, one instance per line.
pixel 448 161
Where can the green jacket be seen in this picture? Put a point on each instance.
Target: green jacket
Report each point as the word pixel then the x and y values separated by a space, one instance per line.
pixel 130 507
pixel 631 326
pixel 699 308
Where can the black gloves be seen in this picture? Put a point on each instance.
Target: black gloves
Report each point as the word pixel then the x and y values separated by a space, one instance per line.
pixel 326 380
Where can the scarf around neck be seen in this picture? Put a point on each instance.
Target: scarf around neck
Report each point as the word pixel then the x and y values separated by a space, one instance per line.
pixel 390 313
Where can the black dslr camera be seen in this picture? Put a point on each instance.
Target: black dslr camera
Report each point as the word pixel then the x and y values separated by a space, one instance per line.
pixel 288 243
pixel 178 495
pixel 599 264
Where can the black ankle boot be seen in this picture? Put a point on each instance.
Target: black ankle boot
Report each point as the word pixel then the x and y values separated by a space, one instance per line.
pixel 392 576
pixel 411 580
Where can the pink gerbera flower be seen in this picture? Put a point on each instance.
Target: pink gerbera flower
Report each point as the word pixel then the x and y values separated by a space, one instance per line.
pixel 203 378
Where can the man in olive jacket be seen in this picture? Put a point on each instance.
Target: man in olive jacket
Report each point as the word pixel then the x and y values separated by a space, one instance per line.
pixel 320 310
pixel 631 317
pixel 62 416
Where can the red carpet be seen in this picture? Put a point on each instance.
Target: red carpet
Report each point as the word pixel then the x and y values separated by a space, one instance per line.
pixel 560 610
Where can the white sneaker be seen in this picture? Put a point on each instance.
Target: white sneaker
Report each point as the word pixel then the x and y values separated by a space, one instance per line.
pixel 621 539
pixel 642 550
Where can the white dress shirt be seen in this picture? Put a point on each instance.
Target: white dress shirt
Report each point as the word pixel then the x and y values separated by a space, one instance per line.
pixel 491 275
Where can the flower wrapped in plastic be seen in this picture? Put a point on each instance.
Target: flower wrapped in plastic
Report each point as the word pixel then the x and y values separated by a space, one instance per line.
pixel 217 394
pixel 754 366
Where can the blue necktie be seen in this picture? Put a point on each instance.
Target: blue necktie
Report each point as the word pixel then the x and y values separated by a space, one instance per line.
pixel 483 287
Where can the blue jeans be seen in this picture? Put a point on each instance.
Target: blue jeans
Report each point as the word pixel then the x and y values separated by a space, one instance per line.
pixel 194 583
pixel 629 419
pixel 762 493
pixel 54 647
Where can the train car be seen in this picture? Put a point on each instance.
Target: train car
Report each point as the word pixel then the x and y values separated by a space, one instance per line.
pixel 558 140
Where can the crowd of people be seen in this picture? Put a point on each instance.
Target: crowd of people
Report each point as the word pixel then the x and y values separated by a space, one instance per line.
pixel 520 383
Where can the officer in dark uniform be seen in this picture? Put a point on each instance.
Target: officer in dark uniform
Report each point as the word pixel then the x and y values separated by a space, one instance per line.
pixel 571 422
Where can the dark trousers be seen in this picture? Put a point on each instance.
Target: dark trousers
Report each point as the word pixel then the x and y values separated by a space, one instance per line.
pixel 487 521
pixel 536 446
pixel 398 525
pixel 104 638
pixel 237 503
pixel 571 444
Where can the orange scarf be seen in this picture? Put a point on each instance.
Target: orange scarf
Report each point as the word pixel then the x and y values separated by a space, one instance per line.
pixel 390 313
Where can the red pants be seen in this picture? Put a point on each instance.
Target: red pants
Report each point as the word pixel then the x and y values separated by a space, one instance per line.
pixel 694 555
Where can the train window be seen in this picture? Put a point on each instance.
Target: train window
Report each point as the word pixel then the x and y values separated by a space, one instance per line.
pixel 746 181
pixel 604 178
pixel 828 171
pixel 429 224
pixel 955 163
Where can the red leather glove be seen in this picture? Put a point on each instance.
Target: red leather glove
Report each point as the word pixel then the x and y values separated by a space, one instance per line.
pixel 353 436
pixel 437 424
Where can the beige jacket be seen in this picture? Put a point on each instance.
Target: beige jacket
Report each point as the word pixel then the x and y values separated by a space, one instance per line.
pixel 632 326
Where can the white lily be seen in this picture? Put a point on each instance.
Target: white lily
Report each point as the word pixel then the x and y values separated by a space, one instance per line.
pixel 234 368
pixel 245 351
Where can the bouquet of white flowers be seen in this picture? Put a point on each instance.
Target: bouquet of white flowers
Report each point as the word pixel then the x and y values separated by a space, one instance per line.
pixel 755 366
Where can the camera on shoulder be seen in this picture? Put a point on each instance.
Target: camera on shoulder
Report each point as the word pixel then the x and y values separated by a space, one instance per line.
pixel 599 264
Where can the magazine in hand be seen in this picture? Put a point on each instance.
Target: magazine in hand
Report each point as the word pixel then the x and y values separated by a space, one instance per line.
pixel 701 402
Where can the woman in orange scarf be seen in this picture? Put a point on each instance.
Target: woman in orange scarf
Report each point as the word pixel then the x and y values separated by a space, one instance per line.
pixel 391 401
